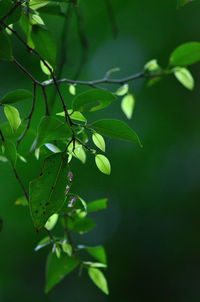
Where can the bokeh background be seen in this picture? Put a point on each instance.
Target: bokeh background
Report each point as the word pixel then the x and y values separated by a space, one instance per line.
pixel 151 229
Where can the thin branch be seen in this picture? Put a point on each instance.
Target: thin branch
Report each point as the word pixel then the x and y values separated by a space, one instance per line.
pixel 26 72
pixel 45 101
pixel 29 117
pixel 112 18
pixel 2 136
pixel 62 60
pixel 21 183
pixel 11 11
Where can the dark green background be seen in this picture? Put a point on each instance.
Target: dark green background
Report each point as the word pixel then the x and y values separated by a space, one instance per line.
pixel 151 229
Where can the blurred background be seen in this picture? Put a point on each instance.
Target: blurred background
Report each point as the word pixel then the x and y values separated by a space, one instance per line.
pixel 151 230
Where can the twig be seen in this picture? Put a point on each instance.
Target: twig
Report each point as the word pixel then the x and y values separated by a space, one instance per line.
pixel 11 11
pixel 2 137
pixel 21 183
pixel 45 101
pixel 29 117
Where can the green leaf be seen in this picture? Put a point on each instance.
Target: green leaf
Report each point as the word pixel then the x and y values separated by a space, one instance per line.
pixel 99 141
pixel 97 205
pixel 10 152
pixel 152 66
pixel 81 225
pixel 72 89
pixel 58 251
pixel 98 253
pixel 94 264
pixel 127 105
pixel 122 90
pixel 57 269
pixel 116 129
pixel 13 116
pixel 5 49
pixel 186 54
pixel 51 10
pixel 96 98
pixel 51 222
pixel 99 279
pixel 78 151
pixel 47 193
pixel 21 201
pixel 67 248
pixel 184 76
pixel 35 4
pixel 44 44
pixel 74 115
pixel 44 242
pixel 53 148
pixel 16 96
pixel 103 164
pixel 51 129
pixel 45 69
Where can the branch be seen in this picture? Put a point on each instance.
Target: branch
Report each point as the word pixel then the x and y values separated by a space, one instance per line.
pixel 46 101
pixel 11 11
pixel 20 182
pixel 112 18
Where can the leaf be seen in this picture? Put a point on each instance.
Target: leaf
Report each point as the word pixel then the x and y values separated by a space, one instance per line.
pixel 10 152
pixel 51 129
pixel 184 76
pixel 127 105
pixel 116 129
pixel 16 96
pixel 99 141
pixel 57 269
pixel 13 116
pixel 52 148
pixel 99 279
pixel 35 4
pixel 81 225
pixel 5 49
pixel 51 10
pixel 94 264
pixel 103 164
pixel 51 222
pixel 44 44
pixel 74 115
pixel 44 242
pixel 186 54
pixel 21 201
pixel 122 90
pixel 72 89
pixel 45 69
pixel 97 205
pixel 152 66
pixel 67 248
pixel 96 98
pixel 47 193
pixel 98 253
pixel 58 251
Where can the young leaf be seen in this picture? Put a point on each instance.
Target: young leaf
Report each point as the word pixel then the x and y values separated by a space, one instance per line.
pixel 57 269
pixel 94 264
pixel 45 69
pixel 5 49
pixel 67 248
pixel 72 89
pixel 16 96
pixel 127 105
pixel 51 129
pixel 98 253
pixel 13 116
pixel 52 148
pixel 83 225
pixel 185 77
pixel 96 98
pixel 97 205
pixel 76 115
pixel 116 129
pixel 99 279
pixel 99 141
pixel 47 193
pixel 103 164
pixel 44 242
pixel 122 90
pixel 152 66
pixel 51 222
pixel 58 251
pixel 186 54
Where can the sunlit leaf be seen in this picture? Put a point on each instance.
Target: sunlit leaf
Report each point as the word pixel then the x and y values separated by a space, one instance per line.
pixel 51 222
pixel 74 115
pixel 72 89
pixel 13 116
pixel 44 242
pixel 99 141
pixel 99 279
pixel 127 105
pixel 122 90
pixel 185 77
pixel 103 164
pixel 97 252
pixel 45 69
pixel 186 54
pixel 21 201
pixel 97 205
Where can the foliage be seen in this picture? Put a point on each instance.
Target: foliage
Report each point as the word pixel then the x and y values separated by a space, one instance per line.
pixel 66 134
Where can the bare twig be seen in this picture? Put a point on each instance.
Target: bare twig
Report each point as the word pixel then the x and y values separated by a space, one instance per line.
pixel 21 183
pixel 45 101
